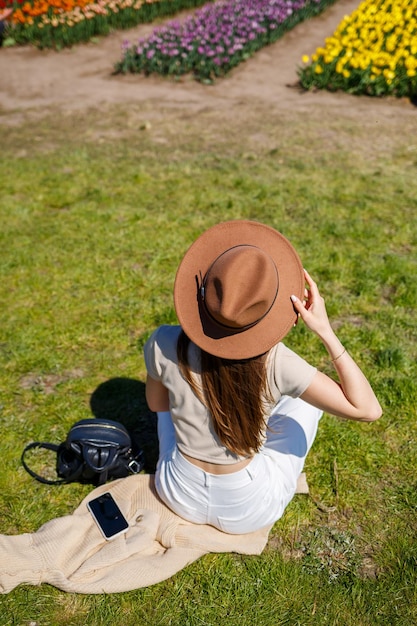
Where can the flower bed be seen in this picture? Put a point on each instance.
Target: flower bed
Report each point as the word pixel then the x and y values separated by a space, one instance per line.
pixel 373 51
pixel 60 23
pixel 217 38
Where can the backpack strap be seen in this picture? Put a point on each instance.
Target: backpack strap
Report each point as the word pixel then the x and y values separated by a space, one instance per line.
pixel 46 481
pixel 99 460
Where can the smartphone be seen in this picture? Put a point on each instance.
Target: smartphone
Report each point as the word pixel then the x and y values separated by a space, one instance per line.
pixel 108 516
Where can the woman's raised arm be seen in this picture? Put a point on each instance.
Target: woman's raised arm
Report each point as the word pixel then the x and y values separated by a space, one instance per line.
pixel 352 397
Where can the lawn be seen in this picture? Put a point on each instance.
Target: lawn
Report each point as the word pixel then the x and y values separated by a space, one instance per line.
pixel 94 224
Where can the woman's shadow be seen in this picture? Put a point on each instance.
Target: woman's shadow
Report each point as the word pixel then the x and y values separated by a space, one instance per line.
pixel 123 400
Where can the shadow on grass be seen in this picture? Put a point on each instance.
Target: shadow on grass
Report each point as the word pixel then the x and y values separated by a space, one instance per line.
pixel 123 400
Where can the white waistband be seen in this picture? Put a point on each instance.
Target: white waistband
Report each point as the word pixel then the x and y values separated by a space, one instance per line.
pixel 197 474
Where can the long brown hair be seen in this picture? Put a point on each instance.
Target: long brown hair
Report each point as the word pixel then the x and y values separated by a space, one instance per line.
pixel 234 392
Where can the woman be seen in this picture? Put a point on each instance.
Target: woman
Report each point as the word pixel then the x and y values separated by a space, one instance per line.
pixel 237 410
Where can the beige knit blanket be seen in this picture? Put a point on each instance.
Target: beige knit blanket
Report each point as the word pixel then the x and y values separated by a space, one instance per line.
pixel 70 553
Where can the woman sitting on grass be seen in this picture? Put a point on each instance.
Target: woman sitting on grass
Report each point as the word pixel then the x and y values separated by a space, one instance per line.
pixel 237 410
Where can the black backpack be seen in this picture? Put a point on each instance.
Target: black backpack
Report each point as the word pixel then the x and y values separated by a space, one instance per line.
pixel 95 450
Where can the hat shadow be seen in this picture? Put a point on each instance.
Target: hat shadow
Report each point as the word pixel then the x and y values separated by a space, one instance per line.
pixel 123 400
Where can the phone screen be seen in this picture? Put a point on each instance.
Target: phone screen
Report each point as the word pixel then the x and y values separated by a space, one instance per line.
pixel 108 516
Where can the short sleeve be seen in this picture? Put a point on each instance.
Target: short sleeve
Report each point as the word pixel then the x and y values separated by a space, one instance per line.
pixel 288 373
pixel 149 353
pixel 160 349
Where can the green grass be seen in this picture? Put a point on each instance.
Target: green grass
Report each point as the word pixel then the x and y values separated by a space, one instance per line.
pixel 94 224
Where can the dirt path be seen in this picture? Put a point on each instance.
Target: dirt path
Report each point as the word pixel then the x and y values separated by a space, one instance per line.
pixel 80 78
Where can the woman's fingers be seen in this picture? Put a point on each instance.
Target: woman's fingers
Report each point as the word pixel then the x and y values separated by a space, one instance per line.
pixel 298 305
pixel 311 284
pixel 312 310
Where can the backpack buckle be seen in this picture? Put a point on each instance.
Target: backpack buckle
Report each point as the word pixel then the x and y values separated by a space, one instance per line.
pixel 134 466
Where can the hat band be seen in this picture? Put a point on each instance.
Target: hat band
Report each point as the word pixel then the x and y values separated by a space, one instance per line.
pixel 237 329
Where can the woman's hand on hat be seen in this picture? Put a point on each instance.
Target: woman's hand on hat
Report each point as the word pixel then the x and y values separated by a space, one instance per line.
pixel 313 309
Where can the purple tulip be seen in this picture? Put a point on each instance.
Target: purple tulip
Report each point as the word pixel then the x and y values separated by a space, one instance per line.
pixel 221 32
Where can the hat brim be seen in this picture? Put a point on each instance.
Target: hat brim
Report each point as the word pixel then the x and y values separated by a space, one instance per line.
pixel 281 317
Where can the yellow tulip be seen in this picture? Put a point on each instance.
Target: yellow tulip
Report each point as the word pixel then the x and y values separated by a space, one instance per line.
pixel 379 37
pixel 410 63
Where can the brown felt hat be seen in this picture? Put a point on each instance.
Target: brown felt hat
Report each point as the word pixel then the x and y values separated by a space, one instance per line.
pixel 232 289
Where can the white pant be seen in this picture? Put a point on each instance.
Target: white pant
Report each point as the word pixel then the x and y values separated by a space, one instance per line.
pixel 248 499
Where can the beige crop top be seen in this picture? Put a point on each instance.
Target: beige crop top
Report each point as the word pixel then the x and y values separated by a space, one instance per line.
pixel 288 374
